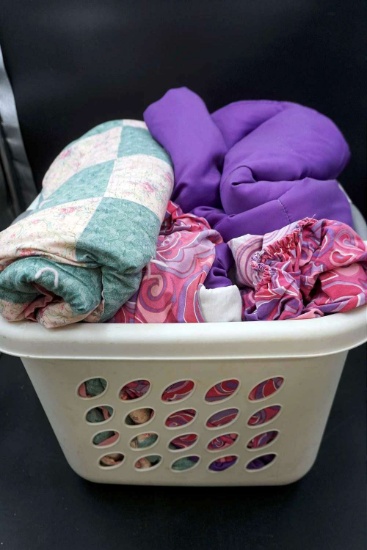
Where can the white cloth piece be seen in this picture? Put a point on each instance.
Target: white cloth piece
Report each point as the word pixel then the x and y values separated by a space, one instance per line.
pixel 221 304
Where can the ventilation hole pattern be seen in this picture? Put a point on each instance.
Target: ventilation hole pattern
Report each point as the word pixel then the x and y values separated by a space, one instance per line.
pixel 177 391
pixel 266 388
pixel 222 390
pixel 92 388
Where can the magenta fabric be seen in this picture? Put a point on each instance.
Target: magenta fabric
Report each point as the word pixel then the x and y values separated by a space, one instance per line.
pixel 307 269
pixel 252 166
pixel 222 390
pixel 169 290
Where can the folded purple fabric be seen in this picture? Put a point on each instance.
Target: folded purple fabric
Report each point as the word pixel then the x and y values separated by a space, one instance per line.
pixel 252 166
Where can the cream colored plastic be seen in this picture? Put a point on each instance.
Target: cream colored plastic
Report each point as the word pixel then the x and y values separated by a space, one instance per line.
pixel 305 397
pixel 308 354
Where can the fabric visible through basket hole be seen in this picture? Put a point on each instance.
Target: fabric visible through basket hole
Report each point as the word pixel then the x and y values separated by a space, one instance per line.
pixel 223 463
pixel 99 414
pixel 178 391
pixel 134 390
pixel 139 416
pixel 185 463
pixel 222 442
pixel 266 388
pixel 264 415
pixel 113 459
pixel 262 440
pixel 222 418
pixel 92 387
pixel 108 437
pixel 260 462
pixel 183 442
pixel 221 390
pixel 180 418
pixel 147 462
pixel 143 441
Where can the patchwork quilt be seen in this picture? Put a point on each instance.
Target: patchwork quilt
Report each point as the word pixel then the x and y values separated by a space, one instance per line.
pixel 79 252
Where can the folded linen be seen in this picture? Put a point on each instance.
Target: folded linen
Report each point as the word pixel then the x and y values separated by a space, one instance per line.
pixel 307 269
pixel 252 166
pixel 170 288
pixel 80 252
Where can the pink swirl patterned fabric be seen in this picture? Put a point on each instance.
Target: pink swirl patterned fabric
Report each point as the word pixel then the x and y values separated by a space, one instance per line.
pixel 307 269
pixel 169 289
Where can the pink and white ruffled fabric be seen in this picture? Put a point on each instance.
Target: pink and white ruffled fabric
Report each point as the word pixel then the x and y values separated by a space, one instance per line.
pixel 307 269
pixel 169 291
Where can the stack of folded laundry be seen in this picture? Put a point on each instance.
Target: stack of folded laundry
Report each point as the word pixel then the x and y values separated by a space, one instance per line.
pixel 189 217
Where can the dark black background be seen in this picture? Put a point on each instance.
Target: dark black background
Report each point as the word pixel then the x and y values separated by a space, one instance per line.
pixel 76 63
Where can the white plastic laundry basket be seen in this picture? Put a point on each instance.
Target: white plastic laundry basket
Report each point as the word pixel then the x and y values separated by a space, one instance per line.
pixel 302 360
pixel 285 373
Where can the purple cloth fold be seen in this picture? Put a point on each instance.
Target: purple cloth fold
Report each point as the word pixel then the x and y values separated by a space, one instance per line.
pixel 252 166
pixel 276 161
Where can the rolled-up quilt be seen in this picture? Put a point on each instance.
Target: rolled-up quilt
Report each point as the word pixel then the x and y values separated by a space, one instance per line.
pixel 79 254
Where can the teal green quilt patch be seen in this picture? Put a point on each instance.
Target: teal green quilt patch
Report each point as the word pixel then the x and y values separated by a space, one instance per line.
pixel 138 141
pixel 104 127
pixel 81 288
pixel 89 183
pixel 83 262
pixel 122 252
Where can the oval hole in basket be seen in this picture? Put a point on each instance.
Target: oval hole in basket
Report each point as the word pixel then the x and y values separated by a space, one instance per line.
pixel 144 441
pixel 108 437
pixel 260 462
pixel 182 442
pixel 138 417
pixel 221 390
pixel 99 414
pixel 134 390
pixel 185 463
pixel 180 418
pixel 264 415
pixel 93 387
pixel 262 440
pixel 222 418
pixel 110 460
pixel 177 391
pixel 222 442
pixel 266 388
pixel 147 462
pixel 223 463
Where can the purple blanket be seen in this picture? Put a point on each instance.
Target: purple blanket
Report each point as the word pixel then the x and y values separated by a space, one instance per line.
pixel 252 166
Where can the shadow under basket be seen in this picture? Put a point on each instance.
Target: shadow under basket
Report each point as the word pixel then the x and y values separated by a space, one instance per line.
pixel 219 404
